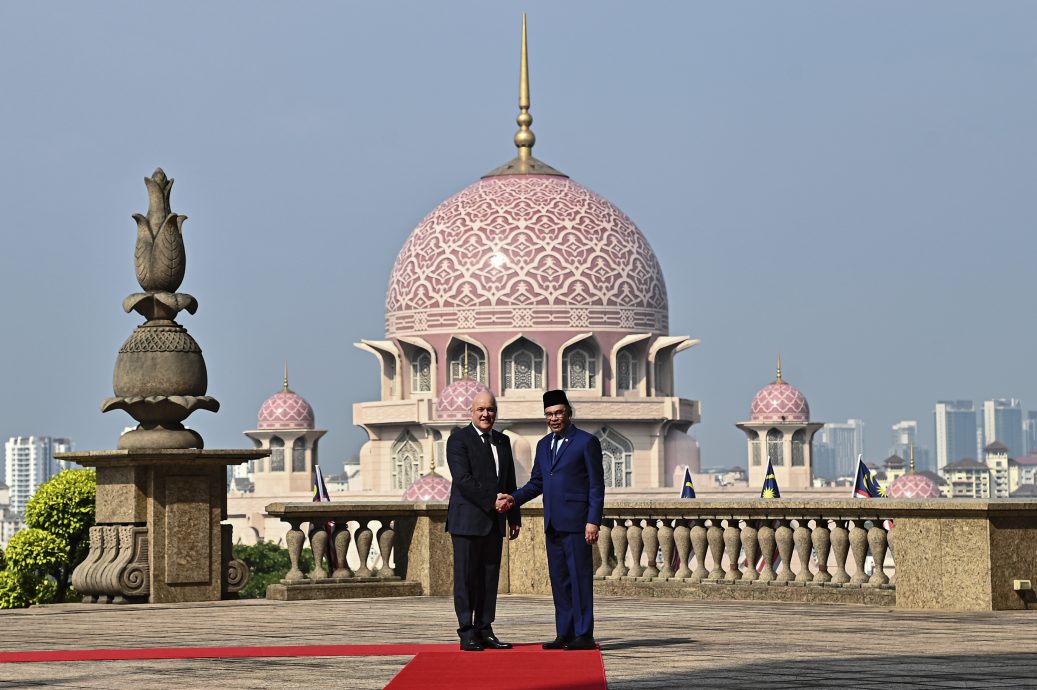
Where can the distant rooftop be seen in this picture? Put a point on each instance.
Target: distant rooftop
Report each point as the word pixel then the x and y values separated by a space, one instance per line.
pixel 996 447
pixel 966 464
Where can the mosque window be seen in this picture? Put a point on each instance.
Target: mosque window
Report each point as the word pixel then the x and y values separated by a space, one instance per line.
pixel 406 460
pixel 299 455
pixel 467 361
pixel 276 454
pixel 754 443
pixel 617 455
pixel 390 374
pixel 798 441
pixel 421 373
pixel 775 451
pixel 579 369
pixel 628 371
pixel 523 365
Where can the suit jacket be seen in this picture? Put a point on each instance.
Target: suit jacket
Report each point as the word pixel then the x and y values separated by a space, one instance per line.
pixel 573 484
pixel 474 483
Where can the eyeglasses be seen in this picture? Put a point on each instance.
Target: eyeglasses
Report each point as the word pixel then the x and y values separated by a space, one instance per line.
pixel 555 415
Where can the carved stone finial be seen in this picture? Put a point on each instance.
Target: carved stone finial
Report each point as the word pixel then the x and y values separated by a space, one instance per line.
pixel 159 257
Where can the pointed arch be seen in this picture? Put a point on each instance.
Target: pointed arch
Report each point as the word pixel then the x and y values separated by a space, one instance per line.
pixel 776 447
pixel 406 460
pixel 276 454
pixel 522 365
pixel 617 456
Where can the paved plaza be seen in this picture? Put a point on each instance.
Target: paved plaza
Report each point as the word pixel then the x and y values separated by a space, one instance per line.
pixel 645 643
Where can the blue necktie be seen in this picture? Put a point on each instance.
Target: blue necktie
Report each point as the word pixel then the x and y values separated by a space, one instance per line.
pixel 556 446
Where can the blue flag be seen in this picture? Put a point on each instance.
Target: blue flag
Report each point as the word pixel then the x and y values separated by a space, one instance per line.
pixel 865 485
pixel 770 484
pixel 688 490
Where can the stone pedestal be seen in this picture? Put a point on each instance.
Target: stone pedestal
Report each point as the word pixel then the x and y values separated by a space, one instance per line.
pixel 178 498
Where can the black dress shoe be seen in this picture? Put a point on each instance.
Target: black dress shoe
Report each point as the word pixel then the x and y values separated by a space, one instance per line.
pixel 557 643
pixel 581 643
pixel 471 645
pixel 490 641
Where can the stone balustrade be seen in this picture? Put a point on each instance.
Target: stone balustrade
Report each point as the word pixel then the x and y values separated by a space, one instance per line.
pixel 933 553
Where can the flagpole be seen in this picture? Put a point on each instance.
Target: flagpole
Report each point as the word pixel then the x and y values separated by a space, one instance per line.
pixel 856 473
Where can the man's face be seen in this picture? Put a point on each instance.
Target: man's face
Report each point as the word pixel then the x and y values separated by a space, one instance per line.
pixel 557 417
pixel 484 412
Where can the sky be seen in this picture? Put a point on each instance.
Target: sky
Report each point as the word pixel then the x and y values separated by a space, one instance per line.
pixel 851 184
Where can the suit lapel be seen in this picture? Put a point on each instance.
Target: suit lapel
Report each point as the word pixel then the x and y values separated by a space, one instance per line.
pixel 566 442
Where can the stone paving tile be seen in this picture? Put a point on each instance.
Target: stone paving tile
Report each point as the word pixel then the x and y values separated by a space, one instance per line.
pixel 646 644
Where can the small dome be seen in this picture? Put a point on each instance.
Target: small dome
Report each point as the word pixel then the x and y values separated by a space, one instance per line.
pixel 431 487
pixel 455 402
pixel 914 485
pixel 780 402
pixel 286 410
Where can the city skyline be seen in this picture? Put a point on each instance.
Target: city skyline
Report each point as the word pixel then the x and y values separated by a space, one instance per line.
pixel 774 157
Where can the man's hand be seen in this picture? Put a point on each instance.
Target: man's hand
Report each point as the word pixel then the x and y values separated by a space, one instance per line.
pixel 514 532
pixel 591 533
pixel 504 503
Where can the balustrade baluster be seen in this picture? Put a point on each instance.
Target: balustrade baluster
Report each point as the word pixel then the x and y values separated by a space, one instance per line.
pixel 340 542
pixel 715 537
pixel 682 538
pixel 841 547
pixel 733 546
pixel 294 541
pixel 801 537
pixel 783 535
pixel 767 545
pixel 386 540
pixel 651 541
pixel 821 538
pixel 666 544
pixel 877 541
pixel 699 544
pixel 636 548
pixel 891 542
pixel 319 547
pixel 859 548
pixel 751 548
pixel 604 549
pixel 363 538
pixel 619 543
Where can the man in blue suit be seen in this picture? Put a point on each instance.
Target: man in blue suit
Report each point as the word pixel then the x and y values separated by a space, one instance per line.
pixel 481 467
pixel 568 471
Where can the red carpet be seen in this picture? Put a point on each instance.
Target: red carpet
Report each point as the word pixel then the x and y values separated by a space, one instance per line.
pixel 516 669
pixel 225 652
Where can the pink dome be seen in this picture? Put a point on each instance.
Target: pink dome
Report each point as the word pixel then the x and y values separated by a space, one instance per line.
pixel 780 402
pixel 526 252
pixel 455 402
pixel 285 410
pixel 914 486
pixel 431 487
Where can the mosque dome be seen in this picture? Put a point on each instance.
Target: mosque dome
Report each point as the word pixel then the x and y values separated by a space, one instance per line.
pixel 780 402
pixel 285 410
pixel 914 485
pixel 430 487
pixel 526 251
pixel 455 402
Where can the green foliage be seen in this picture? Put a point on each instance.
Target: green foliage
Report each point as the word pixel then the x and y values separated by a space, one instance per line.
pixel 64 506
pixel 269 563
pixel 3 561
pixel 36 552
pixel 15 593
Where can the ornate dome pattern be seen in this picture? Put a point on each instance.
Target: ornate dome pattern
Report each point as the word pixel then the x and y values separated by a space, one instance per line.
pixel 780 402
pixel 285 410
pixel 914 486
pixel 526 251
pixel 455 402
pixel 431 487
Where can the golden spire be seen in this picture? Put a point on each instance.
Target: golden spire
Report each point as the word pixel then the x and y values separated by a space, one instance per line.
pixel 464 364
pixel 778 380
pixel 286 374
pixel 524 163
pixel 912 459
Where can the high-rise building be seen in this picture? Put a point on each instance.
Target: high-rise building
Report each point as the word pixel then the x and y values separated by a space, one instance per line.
pixel 955 428
pixel 29 461
pixel 841 444
pixel 904 437
pixel 1003 422
pixel 1030 432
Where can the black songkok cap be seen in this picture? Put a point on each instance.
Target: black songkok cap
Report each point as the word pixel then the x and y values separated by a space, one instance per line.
pixel 552 398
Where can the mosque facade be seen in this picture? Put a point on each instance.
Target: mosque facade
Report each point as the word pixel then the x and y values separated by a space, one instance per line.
pixel 522 282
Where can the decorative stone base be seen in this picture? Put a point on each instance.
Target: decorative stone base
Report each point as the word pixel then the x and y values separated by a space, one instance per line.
pixel 743 590
pixel 342 588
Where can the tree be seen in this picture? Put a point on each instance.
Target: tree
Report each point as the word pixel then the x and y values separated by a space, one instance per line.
pixel 40 559
pixel 269 563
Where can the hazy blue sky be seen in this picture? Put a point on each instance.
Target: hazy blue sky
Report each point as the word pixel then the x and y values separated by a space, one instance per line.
pixel 850 184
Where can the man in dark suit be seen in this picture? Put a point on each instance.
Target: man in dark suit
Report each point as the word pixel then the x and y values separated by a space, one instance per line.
pixel 481 468
pixel 568 471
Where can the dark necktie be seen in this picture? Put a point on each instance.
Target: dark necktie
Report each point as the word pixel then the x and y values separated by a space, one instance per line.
pixel 556 447
pixel 486 442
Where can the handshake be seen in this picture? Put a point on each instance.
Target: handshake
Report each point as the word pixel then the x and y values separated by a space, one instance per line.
pixel 504 503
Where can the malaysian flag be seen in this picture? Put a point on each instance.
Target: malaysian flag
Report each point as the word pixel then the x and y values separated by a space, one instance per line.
pixel 320 495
